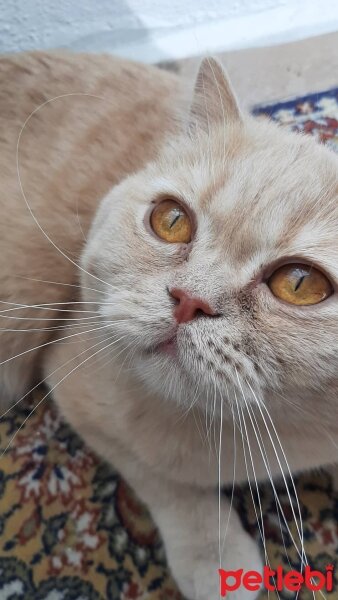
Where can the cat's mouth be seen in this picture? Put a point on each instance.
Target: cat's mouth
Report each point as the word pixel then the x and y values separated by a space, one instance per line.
pixel 168 347
pixel 172 346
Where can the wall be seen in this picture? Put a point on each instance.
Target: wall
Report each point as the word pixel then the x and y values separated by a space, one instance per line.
pixel 152 30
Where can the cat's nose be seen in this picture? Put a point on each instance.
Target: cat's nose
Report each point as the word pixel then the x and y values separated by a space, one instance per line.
pixel 188 307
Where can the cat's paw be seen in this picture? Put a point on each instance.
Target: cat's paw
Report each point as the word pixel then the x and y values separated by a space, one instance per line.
pixel 199 578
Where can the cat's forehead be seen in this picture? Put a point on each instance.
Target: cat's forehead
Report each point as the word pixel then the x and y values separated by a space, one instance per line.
pixel 261 192
pixel 256 164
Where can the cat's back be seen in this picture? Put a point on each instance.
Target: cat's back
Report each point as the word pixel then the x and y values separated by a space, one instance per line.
pixel 71 127
pixel 94 113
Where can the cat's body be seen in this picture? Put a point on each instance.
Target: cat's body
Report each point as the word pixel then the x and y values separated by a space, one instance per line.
pixel 257 197
pixel 104 111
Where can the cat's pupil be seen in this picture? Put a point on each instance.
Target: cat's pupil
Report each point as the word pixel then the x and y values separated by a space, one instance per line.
pixel 174 221
pixel 299 282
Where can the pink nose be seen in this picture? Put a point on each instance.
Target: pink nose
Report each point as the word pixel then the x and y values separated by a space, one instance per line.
pixel 188 307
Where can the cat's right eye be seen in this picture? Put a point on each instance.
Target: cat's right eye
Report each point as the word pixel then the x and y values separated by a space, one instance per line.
pixel 171 222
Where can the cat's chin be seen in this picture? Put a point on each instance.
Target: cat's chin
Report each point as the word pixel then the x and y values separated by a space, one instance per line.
pixel 178 377
pixel 173 369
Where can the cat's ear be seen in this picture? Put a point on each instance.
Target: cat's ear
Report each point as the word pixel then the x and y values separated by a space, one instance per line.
pixel 214 101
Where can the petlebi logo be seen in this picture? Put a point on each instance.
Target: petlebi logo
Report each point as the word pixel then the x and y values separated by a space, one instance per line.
pixel 276 580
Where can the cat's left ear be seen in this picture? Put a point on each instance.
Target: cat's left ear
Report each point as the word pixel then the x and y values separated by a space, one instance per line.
pixel 214 101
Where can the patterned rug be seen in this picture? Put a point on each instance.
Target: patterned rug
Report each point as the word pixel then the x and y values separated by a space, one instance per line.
pixel 315 114
pixel 71 529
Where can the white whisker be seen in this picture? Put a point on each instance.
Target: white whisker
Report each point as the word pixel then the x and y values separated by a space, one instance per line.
pixel 81 287
pixel 233 480
pixel 54 341
pixel 47 376
pixel 220 546
pixel 47 395
pixel 260 521
pixel 302 555
pixel 300 527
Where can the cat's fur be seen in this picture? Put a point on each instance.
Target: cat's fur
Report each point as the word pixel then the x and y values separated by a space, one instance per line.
pixel 260 196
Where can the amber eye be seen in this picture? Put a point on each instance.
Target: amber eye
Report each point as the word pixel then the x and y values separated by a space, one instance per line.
pixel 171 223
pixel 300 284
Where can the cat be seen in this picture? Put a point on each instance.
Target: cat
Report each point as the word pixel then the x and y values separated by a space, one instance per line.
pixel 176 270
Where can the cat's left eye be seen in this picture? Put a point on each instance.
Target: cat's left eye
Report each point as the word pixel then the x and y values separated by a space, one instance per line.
pixel 171 222
pixel 300 284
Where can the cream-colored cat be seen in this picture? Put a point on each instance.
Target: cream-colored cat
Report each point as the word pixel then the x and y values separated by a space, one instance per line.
pixel 209 280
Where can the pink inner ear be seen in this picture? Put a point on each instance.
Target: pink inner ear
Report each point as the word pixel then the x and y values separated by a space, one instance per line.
pixel 214 100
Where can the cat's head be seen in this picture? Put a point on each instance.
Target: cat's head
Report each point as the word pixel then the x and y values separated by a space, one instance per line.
pixel 218 262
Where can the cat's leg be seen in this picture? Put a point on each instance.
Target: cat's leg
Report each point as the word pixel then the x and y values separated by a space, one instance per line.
pixel 187 518
pixel 186 515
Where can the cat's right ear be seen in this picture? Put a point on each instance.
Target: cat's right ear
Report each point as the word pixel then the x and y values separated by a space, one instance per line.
pixel 214 102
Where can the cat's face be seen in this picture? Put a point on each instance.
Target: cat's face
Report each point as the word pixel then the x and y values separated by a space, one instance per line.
pixel 254 201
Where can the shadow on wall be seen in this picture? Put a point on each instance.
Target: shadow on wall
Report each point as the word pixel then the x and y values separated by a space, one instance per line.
pixel 95 27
